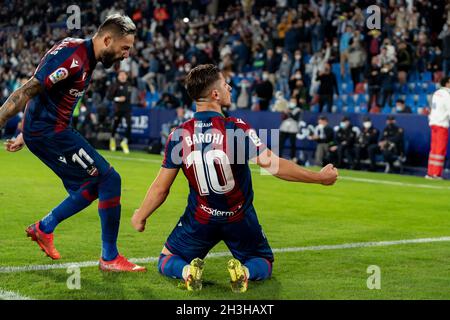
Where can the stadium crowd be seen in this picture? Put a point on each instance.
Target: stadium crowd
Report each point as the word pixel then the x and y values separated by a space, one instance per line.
pixel 277 55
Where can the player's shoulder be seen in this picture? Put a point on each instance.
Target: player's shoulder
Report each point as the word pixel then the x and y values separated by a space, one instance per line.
pixel 66 44
pixel 187 125
pixel 238 123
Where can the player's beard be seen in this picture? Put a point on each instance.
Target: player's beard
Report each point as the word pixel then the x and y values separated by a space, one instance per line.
pixel 108 58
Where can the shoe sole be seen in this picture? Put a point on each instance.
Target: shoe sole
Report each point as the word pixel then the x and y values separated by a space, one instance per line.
pixel 194 282
pixel 31 233
pixel 237 274
pixel 118 271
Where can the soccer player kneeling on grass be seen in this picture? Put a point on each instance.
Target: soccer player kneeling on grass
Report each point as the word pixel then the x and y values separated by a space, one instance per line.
pixel 213 151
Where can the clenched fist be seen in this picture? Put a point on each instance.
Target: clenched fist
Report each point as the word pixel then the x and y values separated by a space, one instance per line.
pixel 137 222
pixel 329 175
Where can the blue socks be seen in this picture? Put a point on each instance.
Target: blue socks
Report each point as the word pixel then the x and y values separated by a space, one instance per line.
pixel 259 268
pixel 74 203
pixel 108 191
pixel 109 210
pixel 171 266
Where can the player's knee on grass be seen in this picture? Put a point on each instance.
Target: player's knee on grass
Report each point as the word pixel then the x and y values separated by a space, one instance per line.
pixel 259 268
pixel 171 265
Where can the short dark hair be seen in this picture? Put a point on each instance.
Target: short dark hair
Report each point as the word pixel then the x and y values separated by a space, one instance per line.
pixel 200 78
pixel 323 118
pixel 444 81
pixel 118 25
pixel 400 101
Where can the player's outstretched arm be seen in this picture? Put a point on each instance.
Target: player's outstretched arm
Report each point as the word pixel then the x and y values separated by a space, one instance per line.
pixel 18 100
pixel 156 195
pixel 288 170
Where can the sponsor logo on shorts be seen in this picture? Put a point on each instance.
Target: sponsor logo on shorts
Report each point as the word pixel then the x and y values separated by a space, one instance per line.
pixel 58 75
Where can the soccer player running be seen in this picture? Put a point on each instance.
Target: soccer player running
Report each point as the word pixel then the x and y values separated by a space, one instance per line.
pixel 213 151
pixel 50 97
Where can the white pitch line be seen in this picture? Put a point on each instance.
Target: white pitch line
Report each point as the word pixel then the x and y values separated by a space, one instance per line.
pixel 11 295
pixel 134 159
pixel 376 181
pixel 45 267
pixel 394 183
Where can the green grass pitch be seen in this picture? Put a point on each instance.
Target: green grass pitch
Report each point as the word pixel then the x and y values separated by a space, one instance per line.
pixel 355 210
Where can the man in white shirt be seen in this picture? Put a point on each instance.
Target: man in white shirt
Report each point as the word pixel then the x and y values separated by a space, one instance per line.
pixel 439 123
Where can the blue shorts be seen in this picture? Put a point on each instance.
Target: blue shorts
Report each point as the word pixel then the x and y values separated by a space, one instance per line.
pixel 245 239
pixel 70 156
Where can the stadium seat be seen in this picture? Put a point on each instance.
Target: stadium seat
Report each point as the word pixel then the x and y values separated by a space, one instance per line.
pixel 431 87
pixel 410 100
pixel 422 102
pixel 359 99
pixel 339 104
pixel 427 76
pixel 386 109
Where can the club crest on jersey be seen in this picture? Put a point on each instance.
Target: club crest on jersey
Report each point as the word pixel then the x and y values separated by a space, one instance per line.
pixel 254 137
pixel 92 171
pixel 58 75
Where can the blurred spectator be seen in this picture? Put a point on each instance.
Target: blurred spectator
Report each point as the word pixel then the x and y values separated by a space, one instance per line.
pixel 300 93
pixel 328 86
pixel 356 61
pixel 374 82
pixel 391 145
pixel 264 91
pixel 283 74
pixel 324 136
pixel 281 104
pixel 167 101
pixel 272 62
pixel 366 144
pixel 445 37
pixel 404 62
pixel 401 107
pixel 387 80
pixel 345 138
pixel 120 93
pixel 298 63
pixel 289 129
pixel 240 54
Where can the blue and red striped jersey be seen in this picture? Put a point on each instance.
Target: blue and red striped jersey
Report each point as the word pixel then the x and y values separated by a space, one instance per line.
pixel 213 152
pixel 64 72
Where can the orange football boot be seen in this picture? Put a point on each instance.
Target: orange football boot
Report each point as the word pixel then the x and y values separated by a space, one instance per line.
pixel 44 240
pixel 120 264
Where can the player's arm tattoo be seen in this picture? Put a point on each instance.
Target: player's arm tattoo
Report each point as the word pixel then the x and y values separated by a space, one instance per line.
pixel 18 100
